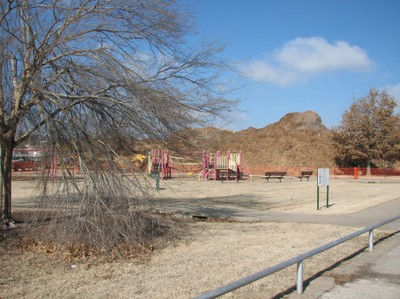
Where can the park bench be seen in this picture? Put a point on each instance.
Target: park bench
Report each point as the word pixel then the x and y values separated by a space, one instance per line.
pixel 305 174
pixel 274 175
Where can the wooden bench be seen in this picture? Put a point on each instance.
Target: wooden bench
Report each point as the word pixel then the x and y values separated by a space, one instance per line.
pixel 274 175
pixel 305 174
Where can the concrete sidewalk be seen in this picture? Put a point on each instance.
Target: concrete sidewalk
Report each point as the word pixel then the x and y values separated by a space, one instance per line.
pixel 371 275
pixel 359 219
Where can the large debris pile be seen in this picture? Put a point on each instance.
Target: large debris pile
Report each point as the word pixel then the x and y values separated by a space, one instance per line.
pixel 297 139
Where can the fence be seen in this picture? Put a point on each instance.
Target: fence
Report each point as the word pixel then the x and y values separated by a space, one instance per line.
pixel 296 170
pixel 296 260
pixel 363 171
pixel 336 171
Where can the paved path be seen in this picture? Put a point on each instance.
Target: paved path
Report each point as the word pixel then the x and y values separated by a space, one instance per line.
pixel 369 275
pixel 360 219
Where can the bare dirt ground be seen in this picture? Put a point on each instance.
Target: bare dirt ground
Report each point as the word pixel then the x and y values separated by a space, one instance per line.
pixel 214 253
pixel 291 196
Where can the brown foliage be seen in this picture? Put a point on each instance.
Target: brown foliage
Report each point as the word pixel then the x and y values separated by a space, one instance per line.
pixel 72 238
pixel 369 132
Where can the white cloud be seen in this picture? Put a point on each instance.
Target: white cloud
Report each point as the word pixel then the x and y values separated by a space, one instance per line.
pixel 303 58
pixel 264 72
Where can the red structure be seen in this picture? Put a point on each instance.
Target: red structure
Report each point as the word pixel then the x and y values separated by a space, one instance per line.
pixel 219 166
pixel 31 159
pixel 160 161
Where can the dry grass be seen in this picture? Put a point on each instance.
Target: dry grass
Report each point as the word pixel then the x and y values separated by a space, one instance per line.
pixel 206 256
pixel 213 255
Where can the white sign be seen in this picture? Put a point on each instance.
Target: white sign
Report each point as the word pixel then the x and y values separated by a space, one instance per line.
pixel 323 177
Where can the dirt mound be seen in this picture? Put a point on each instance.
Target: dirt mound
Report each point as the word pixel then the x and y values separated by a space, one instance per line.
pixel 308 120
pixel 297 139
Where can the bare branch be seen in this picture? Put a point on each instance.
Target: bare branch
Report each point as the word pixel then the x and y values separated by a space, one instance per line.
pixel 87 80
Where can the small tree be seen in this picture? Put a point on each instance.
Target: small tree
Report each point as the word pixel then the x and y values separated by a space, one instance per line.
pixel 85 76
pixel 369 130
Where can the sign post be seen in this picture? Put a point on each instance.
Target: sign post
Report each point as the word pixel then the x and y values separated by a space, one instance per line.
pixel 323 180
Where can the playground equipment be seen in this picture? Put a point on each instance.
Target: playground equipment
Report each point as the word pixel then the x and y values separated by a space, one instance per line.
pixel 32 159
pixel 188 164
pixel 42 161
pixel 221 167
pixel 160 162
pixel 140 162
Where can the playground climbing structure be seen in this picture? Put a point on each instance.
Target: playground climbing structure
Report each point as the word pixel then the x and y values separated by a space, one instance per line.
pixel 160 161
pixel 219 167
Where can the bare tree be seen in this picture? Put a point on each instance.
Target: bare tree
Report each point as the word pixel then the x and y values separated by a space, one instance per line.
pixel 84 75
pixel 369 131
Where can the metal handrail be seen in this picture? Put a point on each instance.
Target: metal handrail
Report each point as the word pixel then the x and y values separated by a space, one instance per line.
pixel 298 259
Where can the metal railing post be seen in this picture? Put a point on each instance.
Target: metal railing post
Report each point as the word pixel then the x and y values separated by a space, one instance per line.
pixel 371 240
pixel 298 259
pixel 300 277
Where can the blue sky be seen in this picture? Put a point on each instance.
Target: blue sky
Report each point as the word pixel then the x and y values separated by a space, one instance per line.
pixel 295 56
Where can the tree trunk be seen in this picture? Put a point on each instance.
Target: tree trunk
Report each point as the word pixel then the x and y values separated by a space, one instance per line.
pixel 369 167
pixel 6 168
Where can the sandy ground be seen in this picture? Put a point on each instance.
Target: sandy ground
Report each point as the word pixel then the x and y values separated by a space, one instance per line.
pixel 291 196
pixel 214 253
